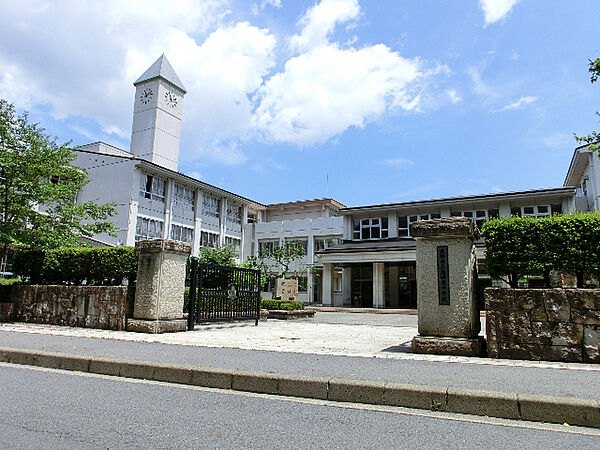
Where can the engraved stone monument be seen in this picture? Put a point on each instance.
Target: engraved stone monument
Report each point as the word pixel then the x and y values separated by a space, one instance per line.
pixel 286 289
pixel 449 321
pixel 160 287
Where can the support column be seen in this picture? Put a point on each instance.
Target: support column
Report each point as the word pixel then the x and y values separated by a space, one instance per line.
pixel 378 285
pixel 347 286
pixel 394 293
pixel 327 284
pixel 446 273
pixel 197 224
pixel 158 306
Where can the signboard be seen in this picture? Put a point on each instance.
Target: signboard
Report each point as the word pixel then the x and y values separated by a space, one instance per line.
pixel 443 275
pixel 286 289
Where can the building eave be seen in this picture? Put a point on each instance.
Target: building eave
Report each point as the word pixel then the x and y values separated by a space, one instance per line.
pixel 564 191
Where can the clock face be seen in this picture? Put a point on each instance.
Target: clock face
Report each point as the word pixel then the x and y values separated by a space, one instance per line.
pixel 170 99
pixel 146 96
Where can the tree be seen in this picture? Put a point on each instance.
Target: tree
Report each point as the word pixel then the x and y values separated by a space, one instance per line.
pixel 220 256
pixel 592 139
pixel 38 188
pixel 281 256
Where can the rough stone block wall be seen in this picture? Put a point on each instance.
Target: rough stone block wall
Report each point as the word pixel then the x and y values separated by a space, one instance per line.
pixel 543 324
pixel 104 307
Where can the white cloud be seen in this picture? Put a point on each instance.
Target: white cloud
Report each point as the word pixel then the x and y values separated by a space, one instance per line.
pixel 80 59
pixel 320 20
pixel 453 96
pixel 398 162
pixel 327 88
pixel 523 101
pixel 495 10
pixel 480 87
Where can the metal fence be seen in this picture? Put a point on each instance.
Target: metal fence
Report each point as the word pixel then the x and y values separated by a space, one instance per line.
pixel 221 293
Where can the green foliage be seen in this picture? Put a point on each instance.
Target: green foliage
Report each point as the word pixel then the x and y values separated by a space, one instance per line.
pixel 38 186
pixel 74 265
pixel 220 256
pixel 9 281
pixel 525 246
pixel 281 256
pixel 286 305
pixel 592 139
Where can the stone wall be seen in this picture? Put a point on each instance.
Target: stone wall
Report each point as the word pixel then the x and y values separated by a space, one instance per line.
pixel 543 324
pixel 104 307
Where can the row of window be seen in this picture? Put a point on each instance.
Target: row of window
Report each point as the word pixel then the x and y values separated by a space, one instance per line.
pixel 319 244
pixel 153 229
pixel 377 227
pixel 153 188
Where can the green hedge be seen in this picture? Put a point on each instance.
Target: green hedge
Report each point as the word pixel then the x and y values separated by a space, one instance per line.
pixel 518 246
pixel 286 305
pixel 94 265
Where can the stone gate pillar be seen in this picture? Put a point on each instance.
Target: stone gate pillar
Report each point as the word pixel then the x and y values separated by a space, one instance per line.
pixel 160 286
pixel 449 321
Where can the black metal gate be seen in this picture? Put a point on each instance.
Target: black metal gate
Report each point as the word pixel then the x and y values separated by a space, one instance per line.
pixel 220 293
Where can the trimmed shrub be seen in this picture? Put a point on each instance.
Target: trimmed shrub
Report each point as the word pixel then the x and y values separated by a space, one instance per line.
pixel 76 265
pixel 518 246
pixel 286 305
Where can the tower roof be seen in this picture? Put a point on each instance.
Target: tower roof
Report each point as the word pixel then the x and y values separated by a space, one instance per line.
pixel 161 69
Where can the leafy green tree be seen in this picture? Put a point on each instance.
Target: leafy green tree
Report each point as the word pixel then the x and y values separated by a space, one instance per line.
pixel 38 188
pixel 280 257
pixel 592 139
pixel 220 256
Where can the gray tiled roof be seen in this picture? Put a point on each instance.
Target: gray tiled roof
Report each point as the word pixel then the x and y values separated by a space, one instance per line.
pixel 161 69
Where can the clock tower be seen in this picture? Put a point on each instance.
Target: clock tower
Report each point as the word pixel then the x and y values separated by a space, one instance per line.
pixel 157 115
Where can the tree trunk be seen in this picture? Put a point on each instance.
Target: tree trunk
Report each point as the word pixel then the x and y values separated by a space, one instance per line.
pixel 513 280
pixel 579 275
pixel 547 278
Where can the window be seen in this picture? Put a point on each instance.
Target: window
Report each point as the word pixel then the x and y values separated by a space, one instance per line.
pixel 209 239
pixel 252 218
pixel 536 211
pixel 183 197
pixel 266 246
pixel 152 188
pixel 181 233
pixel 234 243
pixel 323 243
pixel 405 221
pixel 234 213
pixel 210 205
pixel 373 228
pixel 302 242
pixel 302 284
pixel 148 229
pixel 479 216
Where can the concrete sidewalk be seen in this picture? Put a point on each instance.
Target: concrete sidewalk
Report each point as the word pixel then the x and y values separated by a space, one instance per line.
pixel 362 366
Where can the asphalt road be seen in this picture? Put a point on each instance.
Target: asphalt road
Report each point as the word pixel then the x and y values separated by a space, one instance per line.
pixel 42 408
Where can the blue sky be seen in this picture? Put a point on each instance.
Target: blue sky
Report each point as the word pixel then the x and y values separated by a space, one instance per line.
pixel 370 101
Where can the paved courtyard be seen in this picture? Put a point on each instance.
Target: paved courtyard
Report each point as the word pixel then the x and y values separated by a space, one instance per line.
pixel 328 333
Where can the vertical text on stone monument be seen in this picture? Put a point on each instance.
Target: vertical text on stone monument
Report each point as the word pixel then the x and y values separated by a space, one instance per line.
pixel 443 275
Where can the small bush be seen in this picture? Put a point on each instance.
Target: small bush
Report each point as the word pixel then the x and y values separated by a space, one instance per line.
pixel 9 281
pixel 286 305
pixel 75 265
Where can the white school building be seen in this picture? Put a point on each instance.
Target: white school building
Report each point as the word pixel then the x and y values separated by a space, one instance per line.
pixel 355 256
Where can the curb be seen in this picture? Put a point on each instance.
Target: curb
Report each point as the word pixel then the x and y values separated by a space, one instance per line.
pixel 529 407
